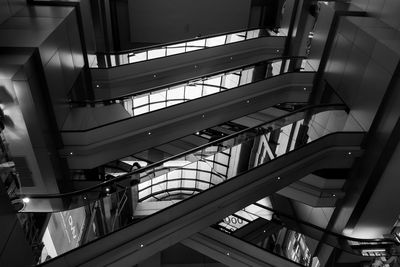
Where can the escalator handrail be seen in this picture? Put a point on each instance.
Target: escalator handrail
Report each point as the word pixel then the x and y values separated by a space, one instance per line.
pixel 180 155
pixel 148 90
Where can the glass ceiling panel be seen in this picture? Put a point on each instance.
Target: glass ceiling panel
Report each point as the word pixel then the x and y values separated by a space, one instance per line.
pixel 189 183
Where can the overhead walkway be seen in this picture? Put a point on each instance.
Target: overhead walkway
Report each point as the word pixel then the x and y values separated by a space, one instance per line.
pixel 116 74
pixel 98 132
pixel 136 236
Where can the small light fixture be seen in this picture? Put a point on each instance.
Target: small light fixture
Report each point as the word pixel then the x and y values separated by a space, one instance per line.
pixel 278 178
pixel 227 254
pixel 247 101
pixel 155 75
pixel 149 133
pixel 203 116
pixel 141 245
pixel 71 153
pixel 26 200
pixel 334 195
pixel 231 58
pixel 349 153
pixel 277 50
pixel 197 133
pixel 97 85
pixel 107 189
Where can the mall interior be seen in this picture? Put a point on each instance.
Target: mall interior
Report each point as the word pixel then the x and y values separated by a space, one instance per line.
pixel 199 133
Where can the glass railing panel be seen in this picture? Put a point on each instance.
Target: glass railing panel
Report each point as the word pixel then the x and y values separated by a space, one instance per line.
pixel 306 66
pixel 137 57
pixel 175 49
pixel 178 178
pixel 140 55
pixel 236 37
pixel 155 99
pixel 156 53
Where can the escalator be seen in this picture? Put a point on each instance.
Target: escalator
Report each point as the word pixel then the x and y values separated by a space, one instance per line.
pixel 169 185
pixel 285 247
pixel 281 235
pixel 124 165
pixel 204 136
pixel 98 132
pixel 129 71
pixel 233 251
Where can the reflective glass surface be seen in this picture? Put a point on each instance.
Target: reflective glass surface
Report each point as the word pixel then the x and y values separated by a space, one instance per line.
pixel 143 158
pixel 126 199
